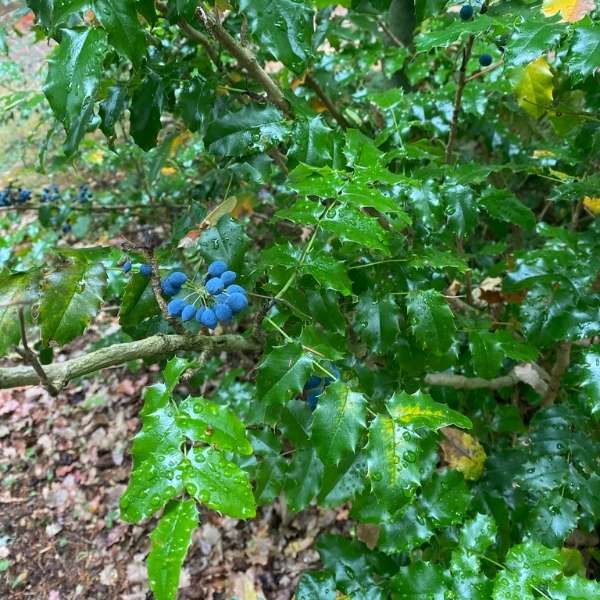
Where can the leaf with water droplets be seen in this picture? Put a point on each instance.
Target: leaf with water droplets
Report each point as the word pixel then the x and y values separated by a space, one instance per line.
pixel 219 484
pixel 431 320
pixel 205 421
pixel 170 539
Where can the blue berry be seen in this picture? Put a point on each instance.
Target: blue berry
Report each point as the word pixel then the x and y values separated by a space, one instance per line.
pixel 175 307
pixel 168 288
pixel 188 312
pixel 209 319
pixel 177 278
pixel 312 400
pixel 127 266
pixel 66 228
pixel 313 382
pixel 146 270
pixel 237 302
pixel 235 289
pixel 466 12
pixel 485 60
pixel 199 313
pixel 214 286
pixel 217 268
pixel 221 298
pixel 228 277
pixel 223 312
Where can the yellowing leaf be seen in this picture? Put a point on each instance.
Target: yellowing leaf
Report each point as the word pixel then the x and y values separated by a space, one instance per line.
pixel 167 171
pixel 179 140
pixel 463 452
pixel 570 10
pixel 96 157
pixel 592 204
pixel 533 87
pixel 543 154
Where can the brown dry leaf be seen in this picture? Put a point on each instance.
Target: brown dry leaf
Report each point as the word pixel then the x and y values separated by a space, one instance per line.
pixel 318 106
pixel 211 219
pixel 245 206
pixel 570 10
pixel 243 587
pixel 463 452
pixel 534 376
pixel 368 533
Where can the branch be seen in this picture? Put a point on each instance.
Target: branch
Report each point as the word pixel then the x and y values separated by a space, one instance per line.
pixel 563 359
pixel 313 84
pixel 245 58
pixel 196 36
pixel 31 358
pixel 528 373
pixel 59 374
pixel 462 80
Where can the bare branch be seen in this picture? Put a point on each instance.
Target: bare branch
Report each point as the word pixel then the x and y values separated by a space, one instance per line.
pixel 313 84
pixel 561 364
pixel 157 346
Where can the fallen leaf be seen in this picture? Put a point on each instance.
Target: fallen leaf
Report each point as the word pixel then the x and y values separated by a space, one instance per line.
pixel 463 452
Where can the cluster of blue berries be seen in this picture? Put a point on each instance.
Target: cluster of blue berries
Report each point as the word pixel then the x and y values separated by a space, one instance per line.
pixel 11 196
pixel 220 299
pixel 466 14
pixel 84 194
pixel 50 194
pixel 316 385
pixel 170 285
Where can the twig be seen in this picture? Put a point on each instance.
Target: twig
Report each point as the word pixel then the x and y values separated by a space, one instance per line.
pixel 460 382
pixel 30 357
pixel 313 84
pixel 390 33
pixel 561 364
pixel 156 346
pixel 462 80
pixel 196 36
pixel 245 58
pixel 485 71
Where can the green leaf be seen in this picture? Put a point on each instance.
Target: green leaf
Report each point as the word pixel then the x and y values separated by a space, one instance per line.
pixel 52 13
pixel 504 206
pixel 283 373
pixel 420 581
pixel 170 542
pixel 112 107
pixel 431 320
pixel 316 585
pixel 392 461
pixel 585 51
pixel 14 289
pixel 283 28
pixel 445 498
pixel 361 194
pixel 314 143
pixel 125 33
pixel 195 103
pixel 146 108
pixel 71 87
pixel 71 297
pixel 590 382
pixel 377 322
pixel 225 241
pixel 458 29
pixel 487 353
pixel 532 38
pixel 533 86
pixel 352 225
pixel 553 519
pixel 461 209
pixel 527 565
pixel 138 301
pixel 269 478
pixel 303 479
pixel 420 410
pixel 218 483
pixel 339 421
pixel 213 423
pixel 574 588
pixel 251 128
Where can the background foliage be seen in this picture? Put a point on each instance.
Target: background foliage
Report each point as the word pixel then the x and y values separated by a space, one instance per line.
pixel 418 228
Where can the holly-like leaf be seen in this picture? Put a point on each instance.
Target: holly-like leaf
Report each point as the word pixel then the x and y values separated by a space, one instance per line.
pixel 533 86
pixel 71 297
pixel 392 461
pixel 377 322
pixel 445 498
pixel 504 206
pixel 464 453
pixel 112 107
pixel 251 128
pixel 303 479
pixel 531 39
pixel 225 241
pixel 218 483
pixel 590 380
pixel 316 585
pixel 585 50
pixel 201 420
pixel 17 290
pixel 574 588
pixel 283 373
pixel 125 33
pixel 195 102
pixel 269 478
pixel 52 13
pixel 461 209
pixel 338 423
pixel 170 539
pixel 146 107
pixel 553 519
pixel 74 72
pixel 283 28
pixel 420 410
pixel 139 301
pixel 431 320
pixel 487 353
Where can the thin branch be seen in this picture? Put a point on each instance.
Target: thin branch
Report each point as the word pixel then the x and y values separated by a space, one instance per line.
pixel 196 36
pixel 395 39
pixel 313 84
pixel 156 346
pixel 561 364
pixel 460 88
pixel 92 207
pixel 485 71
pixel 245 58
pixel 31 358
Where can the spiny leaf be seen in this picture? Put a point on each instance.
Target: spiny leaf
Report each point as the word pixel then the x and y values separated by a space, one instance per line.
pixel 16 291
pixel 170 539
pixel 533 86
pixel 431 320
pixel 338 422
